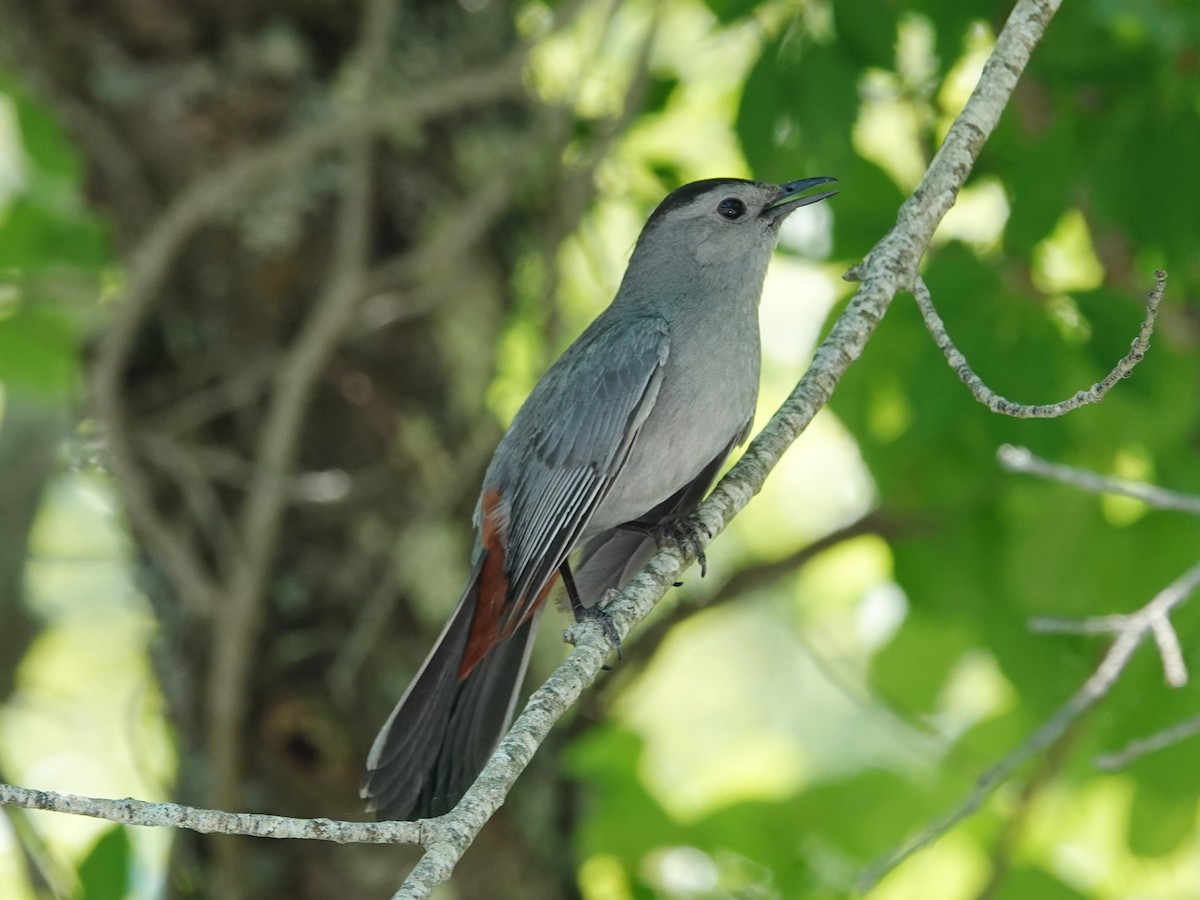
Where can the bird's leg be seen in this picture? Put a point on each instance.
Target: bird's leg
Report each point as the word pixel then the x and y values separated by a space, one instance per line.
pixel 595 613
pixel 684 531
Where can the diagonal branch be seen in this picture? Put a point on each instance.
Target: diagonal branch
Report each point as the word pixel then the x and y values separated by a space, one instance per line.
pixel 745 580
pixel 890 267
pixel 1130 633
pixel 1112 762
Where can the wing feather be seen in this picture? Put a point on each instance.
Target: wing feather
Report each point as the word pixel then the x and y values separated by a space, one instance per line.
pixel 568 445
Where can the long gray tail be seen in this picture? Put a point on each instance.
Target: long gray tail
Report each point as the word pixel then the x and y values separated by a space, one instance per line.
pixel 441 733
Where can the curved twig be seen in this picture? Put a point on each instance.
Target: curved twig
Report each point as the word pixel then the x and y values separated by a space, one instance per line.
pixel 1005 407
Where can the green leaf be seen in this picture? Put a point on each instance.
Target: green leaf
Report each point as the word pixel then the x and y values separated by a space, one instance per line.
pixel 867 30
pixel 864 813
pixel 1160 820
pixel 729 11
pixel 1033 172
pixel 865 209
pixel 36 234
pixel 798 107
pixel 659 91
pixel 623 819
pixel 46 145
pixel 104 872
pixel 38 350
pixel 1026 883
pixel 952 18
pixel 761 118
pixel 911 670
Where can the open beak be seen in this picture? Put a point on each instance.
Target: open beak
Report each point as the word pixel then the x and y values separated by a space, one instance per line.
pixel 792 197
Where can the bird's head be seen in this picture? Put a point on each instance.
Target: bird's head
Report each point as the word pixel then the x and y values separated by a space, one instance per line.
pixel 725 219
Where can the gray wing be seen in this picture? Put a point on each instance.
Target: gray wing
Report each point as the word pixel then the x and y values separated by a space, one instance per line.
pixel 568 445
pixel 612 557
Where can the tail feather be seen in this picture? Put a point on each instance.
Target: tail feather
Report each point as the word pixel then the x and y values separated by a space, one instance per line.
pixel 443 730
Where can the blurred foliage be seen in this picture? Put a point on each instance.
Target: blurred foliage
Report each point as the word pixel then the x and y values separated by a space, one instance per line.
pixel 52 249
pixel 887 705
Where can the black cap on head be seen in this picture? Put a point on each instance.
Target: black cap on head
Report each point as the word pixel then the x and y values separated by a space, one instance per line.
pixel 686 194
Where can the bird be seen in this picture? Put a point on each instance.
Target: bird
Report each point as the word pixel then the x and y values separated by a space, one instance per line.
pixel 619 440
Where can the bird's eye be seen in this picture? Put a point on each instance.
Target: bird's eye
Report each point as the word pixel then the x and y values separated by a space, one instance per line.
pixel 731 208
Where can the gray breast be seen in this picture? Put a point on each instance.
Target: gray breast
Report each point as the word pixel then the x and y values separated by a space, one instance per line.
pixel 708 394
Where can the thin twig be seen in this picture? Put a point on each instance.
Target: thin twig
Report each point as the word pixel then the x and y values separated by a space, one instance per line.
pixel 235 391
pixel 1020 459
pixel 128 811
pixel 1113 624
pixel 1129 636
pixel 1006 407
pixel 744 580
pixel 1111 762
pixel 1174 668
pixel 192 476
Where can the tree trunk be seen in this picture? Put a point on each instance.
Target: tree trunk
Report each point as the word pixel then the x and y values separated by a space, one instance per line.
pixel 394 433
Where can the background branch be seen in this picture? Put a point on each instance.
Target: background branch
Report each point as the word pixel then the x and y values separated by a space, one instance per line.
pixel 1020 459
pixel 208 197
pixel 1130 630
pixel 1006 407
pixel 1134 750
pixel 237 630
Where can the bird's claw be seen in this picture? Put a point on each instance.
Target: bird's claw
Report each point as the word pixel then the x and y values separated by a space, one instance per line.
pixel 601 616
pixel 686 533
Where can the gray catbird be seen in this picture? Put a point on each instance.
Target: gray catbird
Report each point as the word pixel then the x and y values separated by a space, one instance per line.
pixel 621 437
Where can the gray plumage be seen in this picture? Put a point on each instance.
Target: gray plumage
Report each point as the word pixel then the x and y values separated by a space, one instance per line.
pixel 624 433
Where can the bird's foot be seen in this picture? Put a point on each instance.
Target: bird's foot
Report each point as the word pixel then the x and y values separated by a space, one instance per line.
pixel 686 533
pixel 601 616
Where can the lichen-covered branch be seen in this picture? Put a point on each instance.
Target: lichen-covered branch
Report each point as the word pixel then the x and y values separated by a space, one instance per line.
pixel 1006 407
pixel 128 811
